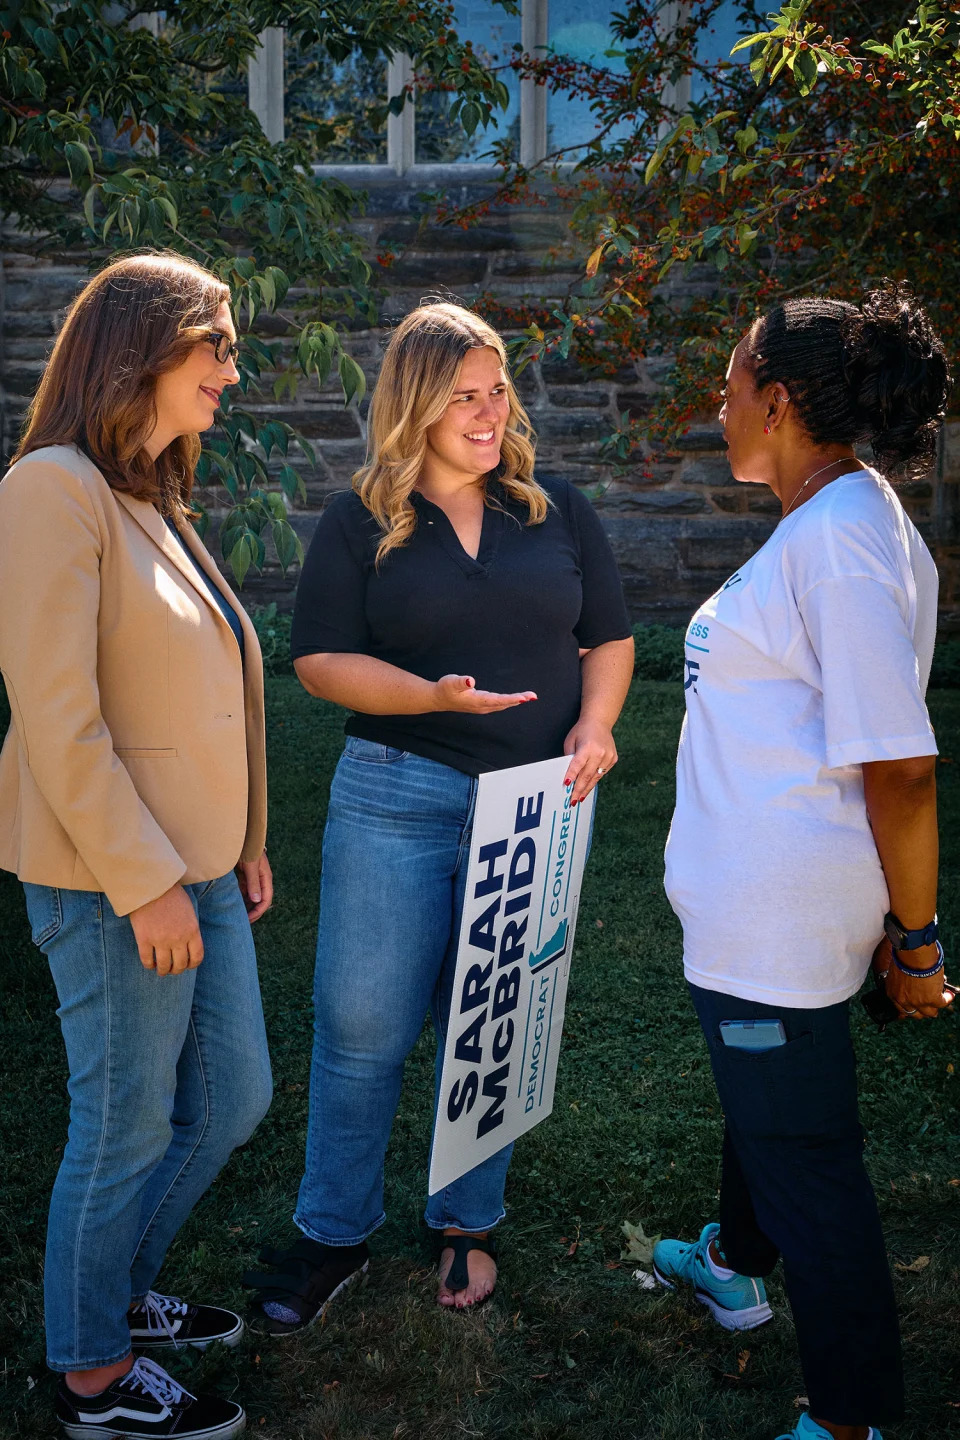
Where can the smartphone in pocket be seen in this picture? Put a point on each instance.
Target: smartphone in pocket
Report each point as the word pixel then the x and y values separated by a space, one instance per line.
pixel 753 1034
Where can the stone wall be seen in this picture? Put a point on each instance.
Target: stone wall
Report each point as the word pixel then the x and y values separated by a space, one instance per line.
pixel 678 524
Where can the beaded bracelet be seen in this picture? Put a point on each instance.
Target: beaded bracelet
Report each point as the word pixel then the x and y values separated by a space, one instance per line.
pixel 921 974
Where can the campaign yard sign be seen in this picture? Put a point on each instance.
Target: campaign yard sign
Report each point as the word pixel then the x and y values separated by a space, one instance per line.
pixel 516 940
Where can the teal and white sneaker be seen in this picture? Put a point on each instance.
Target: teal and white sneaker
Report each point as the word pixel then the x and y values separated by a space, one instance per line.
pixel 807 1429
pixel 735 1302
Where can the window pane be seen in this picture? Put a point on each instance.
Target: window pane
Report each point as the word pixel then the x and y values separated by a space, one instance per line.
pixel 718 37
pixel 494 34
pixel 582 32
pixel 331 107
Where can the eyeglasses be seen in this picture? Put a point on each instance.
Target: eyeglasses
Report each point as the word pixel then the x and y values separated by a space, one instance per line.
pixel 223 347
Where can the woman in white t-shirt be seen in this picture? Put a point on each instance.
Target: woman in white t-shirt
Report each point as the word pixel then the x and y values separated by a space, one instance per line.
pixel 806 826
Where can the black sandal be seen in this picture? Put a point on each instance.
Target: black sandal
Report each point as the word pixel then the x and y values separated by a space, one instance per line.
pixel 304 1279
pixel 458 1276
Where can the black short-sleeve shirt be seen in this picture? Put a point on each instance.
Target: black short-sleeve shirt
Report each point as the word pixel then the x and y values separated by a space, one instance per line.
pixel 515 618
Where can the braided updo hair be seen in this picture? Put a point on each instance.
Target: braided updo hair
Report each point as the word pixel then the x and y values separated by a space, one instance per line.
pixel 873 373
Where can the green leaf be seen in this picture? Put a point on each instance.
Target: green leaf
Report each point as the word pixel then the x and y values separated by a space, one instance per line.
pixel 287 543
pixel 805 71
pixel 169 209
pixel 279 281
pixel 352 379
pixel 267 290
pixel 291 483
pixel 654 163
pixel 47 42
pixel 273 436
pixel 636 1245
pixel 79 161
pixel 750 40
pixel 470 116
pixel 242 556
pixel 88 203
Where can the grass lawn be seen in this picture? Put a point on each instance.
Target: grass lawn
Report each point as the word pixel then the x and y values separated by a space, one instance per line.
pixel 571 1346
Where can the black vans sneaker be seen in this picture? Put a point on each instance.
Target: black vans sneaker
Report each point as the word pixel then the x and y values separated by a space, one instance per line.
pixel 147 1404
pixel 301 1283
pixel 162 1320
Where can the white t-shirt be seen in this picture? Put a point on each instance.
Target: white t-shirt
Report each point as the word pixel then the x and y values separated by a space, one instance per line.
pixel 813 658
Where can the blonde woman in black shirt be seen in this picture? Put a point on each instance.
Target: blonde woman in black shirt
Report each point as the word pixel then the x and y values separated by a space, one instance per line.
pixel 470 619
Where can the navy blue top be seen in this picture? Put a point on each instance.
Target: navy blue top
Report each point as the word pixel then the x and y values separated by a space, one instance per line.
pixel 229 614
pixel 515 618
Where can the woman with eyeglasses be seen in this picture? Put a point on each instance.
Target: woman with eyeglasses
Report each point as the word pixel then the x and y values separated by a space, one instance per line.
pixel 133 809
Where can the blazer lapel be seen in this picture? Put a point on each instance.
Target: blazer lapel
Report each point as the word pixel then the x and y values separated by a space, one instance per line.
pixel 205 562
pixel 149 518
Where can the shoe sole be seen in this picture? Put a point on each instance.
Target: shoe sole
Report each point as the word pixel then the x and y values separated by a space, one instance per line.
pixel 163 1342
pixel 748 1319
pixel 98 1432
pixel 299 1329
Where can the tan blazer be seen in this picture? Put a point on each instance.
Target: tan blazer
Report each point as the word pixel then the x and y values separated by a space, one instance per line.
pixel 136 754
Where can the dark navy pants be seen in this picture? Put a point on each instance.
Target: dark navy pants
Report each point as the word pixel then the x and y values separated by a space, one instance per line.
pixel 794 1187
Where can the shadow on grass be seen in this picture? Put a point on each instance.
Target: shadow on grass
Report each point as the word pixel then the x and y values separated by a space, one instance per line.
pixel 570 1346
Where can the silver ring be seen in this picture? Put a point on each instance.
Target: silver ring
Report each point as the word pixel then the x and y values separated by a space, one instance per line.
pixel 599 769
pixel 909 1012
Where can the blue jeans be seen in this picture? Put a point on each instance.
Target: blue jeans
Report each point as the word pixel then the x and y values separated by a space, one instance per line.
pixel 167 1075
pixel 395 855
pixel 794 1186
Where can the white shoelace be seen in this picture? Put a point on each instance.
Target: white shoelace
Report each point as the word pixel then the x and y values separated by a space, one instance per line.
pixel 155 1382
pixel 159 1309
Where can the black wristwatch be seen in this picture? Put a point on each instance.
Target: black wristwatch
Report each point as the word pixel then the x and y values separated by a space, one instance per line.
pixel 902 939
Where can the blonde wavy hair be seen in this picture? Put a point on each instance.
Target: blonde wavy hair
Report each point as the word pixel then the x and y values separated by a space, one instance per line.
pixel 414 388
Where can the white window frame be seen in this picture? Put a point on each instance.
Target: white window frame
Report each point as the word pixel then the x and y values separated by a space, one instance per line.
pixel 266 85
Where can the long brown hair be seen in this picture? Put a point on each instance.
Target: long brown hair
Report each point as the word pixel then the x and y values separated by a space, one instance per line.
pixel 413 390
pixel 137 319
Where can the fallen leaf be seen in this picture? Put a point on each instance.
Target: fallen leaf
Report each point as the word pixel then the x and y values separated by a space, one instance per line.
pixel 742 1360
pixel 637 1246
pixel 915 1266
pixel 599 924
pixel 953 1182
pixel 801 1400
pixel 573 1249
pixel 645 1280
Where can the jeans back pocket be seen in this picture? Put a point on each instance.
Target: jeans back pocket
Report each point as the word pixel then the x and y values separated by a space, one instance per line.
pixel 44 911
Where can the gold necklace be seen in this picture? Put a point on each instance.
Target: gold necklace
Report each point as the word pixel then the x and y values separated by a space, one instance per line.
pixel 806 483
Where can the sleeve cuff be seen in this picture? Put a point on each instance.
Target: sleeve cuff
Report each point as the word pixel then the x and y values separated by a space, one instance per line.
pixel 864 752
pixel 591 642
